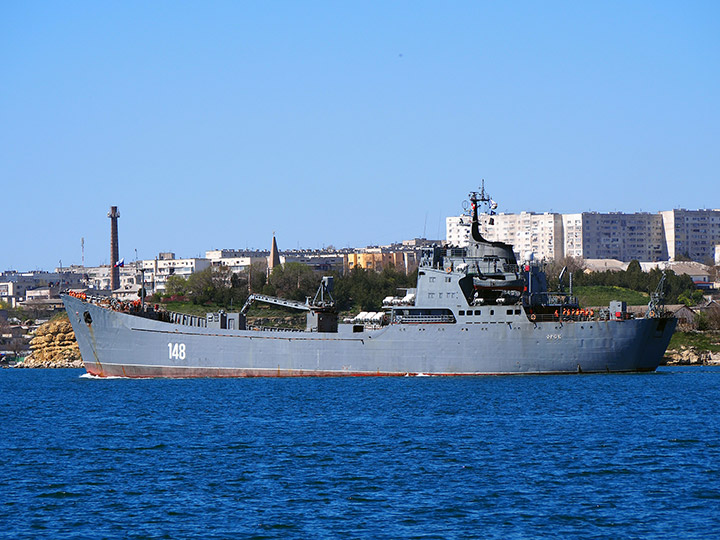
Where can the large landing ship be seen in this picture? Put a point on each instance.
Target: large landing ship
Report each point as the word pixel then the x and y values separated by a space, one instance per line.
pixel 475 311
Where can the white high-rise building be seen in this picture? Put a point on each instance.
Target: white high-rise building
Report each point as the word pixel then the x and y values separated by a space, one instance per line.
pixel 592 235
pixel 527 232
pixel 573 235
pixel 692 233
pixel 457 230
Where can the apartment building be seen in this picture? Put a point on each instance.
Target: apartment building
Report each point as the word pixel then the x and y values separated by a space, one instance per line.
pixel 692 233
pixel 457 230
pixel 527 232
pixel 625 237
pixel 593 235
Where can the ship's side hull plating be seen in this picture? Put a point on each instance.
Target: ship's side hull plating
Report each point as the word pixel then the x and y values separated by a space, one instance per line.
pixel 119 344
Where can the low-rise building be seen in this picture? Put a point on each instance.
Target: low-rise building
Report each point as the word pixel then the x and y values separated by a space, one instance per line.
pixel 700 274
pixel 604 265
pixel 404 257
pixel 128 293
pixel 14 286
pixel 318 260
pixel 236 260
pixel 156 272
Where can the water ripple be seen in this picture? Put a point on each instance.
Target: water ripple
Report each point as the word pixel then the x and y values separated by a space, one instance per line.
pixel 499 457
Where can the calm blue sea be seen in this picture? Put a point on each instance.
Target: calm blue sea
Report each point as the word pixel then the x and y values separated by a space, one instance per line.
pixel 581 456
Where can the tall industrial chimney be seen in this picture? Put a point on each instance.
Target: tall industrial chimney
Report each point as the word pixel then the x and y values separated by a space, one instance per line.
pixel 114 248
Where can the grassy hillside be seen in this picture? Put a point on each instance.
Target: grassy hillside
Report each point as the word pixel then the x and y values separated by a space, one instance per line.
pixel 601 295
pixel 706 341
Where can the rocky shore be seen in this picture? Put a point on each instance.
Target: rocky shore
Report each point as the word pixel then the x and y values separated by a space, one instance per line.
pixel 54 346
pixel 691 356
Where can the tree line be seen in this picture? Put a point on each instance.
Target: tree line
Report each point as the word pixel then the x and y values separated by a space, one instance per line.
pixel 677 289
pixel 364 290
pixel 356 290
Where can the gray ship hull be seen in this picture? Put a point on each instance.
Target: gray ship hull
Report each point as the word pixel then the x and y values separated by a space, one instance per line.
pixel 125 345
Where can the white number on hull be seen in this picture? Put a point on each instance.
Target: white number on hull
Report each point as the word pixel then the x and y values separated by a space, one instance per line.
pixel 176 351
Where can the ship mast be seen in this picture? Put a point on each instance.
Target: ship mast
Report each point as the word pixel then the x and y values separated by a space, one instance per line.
pixel 484 198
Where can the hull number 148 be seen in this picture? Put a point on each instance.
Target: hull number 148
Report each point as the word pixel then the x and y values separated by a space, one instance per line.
pixel 176 351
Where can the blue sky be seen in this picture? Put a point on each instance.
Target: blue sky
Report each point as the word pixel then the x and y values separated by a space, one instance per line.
pixel 213 124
